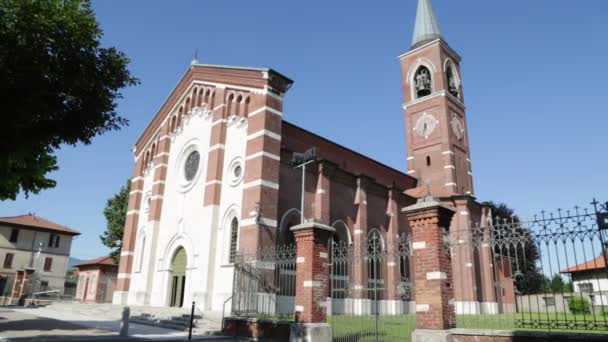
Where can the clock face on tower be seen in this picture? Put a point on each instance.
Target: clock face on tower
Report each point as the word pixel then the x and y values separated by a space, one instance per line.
pixel 457 127
pixel 425 125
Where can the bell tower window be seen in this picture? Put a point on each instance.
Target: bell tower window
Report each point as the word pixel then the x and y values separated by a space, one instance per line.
pixel 423 82
pixel 452 81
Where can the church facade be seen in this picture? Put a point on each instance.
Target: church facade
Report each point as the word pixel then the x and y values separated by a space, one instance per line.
pixel 213 178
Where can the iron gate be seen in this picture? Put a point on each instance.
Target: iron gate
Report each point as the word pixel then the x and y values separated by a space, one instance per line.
pixel 370 290
pixel 264 284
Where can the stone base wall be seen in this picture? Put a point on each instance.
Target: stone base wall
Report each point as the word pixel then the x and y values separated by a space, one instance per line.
pixel 470 335
pixel 263 329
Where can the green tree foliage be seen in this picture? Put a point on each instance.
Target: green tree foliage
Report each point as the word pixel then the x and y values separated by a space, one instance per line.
pixel 579 305
pixel 116 214
pixel 528 277
pixel 59 86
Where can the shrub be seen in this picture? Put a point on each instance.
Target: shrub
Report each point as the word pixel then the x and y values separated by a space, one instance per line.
pixel 579 305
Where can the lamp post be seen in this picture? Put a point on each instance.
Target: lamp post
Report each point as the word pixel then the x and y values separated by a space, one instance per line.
pixel 300 160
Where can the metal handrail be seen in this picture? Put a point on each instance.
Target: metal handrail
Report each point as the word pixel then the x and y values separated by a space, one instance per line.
pixel 224 310
pixel 35 294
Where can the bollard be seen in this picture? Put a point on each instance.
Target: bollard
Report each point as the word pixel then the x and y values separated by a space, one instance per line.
pixel 124 324
pixel 191 322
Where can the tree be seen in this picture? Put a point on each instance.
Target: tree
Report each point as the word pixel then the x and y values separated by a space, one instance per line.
pixel 116 214
pixel 59 86
pixel 528 277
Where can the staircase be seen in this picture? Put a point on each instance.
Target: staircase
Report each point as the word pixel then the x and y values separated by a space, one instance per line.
pixel 205 323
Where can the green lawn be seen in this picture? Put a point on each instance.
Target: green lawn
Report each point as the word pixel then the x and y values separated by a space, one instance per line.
pixel 597 323
pixel 399 328
pixel 363 328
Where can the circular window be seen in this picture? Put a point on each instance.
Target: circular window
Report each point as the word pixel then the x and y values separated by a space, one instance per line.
pixel 191 165
pixel 235 172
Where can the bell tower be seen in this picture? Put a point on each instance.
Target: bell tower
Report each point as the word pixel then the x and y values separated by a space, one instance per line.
pixel 435 119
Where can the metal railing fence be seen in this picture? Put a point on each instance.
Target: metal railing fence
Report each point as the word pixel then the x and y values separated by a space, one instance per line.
pixel 548 273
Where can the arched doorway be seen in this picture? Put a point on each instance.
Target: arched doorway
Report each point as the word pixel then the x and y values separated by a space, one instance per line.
pixel 178 278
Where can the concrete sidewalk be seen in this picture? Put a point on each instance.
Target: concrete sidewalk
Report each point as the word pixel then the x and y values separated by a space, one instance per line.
pixel 46 324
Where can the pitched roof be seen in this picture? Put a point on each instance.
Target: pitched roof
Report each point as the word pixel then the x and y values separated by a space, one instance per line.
pixel 594 264
pixel 104 260
pixel 37 222
pixel 427 25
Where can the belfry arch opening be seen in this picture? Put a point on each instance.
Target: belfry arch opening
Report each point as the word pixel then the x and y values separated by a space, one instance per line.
pixel 423 82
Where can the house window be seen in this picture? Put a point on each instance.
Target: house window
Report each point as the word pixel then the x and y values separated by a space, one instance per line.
pixel 585 287
pixel 48 263
pixel 54 240
pixel 8 260
pixel 44 285
pixel 14 235
pixel 549 301
pixel 234 236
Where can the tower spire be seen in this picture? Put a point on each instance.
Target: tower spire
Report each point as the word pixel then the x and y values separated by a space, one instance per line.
pixel 427 26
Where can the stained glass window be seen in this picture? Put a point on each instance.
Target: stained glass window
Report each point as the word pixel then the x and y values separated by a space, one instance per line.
pixel 191 165
pixel 234 235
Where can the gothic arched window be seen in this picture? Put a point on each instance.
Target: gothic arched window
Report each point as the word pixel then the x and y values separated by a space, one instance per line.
pixel 234 238
pixel 422 80
pixel 452 81
pixel 374 262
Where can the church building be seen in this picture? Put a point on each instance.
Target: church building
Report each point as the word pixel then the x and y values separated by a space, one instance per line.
pixel 213 177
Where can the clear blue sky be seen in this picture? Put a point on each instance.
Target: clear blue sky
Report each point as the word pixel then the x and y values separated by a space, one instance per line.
pixel 535 77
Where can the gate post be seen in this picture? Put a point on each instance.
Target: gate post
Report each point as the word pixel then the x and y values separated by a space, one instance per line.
pixel 312 282
pixel 429 221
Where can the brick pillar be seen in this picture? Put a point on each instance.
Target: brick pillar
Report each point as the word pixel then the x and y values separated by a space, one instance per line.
pixel 322 195
pixel 128 240
pixel 463 262
pixel 358 273
pixel 161 165
pixel 486 265
pixel 312 271
pixel 393 276
pixel 434 290
pixel 262 166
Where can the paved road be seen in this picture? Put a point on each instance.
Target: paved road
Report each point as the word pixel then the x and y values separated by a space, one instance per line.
pixel 42 324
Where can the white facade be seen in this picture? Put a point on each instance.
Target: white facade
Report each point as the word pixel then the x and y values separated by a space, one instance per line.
pixel 203 231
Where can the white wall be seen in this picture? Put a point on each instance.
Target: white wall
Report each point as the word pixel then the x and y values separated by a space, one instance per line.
pixel 185 222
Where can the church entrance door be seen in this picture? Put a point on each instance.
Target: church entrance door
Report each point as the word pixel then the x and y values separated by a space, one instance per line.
pixel 178 278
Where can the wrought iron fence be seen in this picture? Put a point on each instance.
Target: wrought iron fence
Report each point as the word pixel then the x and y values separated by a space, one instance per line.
pixel 370 290
pixel 264 283
pixel 548 273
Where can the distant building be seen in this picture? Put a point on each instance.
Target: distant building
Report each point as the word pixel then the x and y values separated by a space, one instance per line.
pixel 96 280
pixel 21 238
pixel 590 279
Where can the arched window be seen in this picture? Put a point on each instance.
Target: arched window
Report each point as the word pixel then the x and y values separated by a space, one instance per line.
pixel 374 263
pixel 422 80
pixel 428 160
pixel 452 81
pixel 234 239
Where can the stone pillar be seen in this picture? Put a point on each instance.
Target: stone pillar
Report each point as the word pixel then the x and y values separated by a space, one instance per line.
pixel 429 221
pixel 312 282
